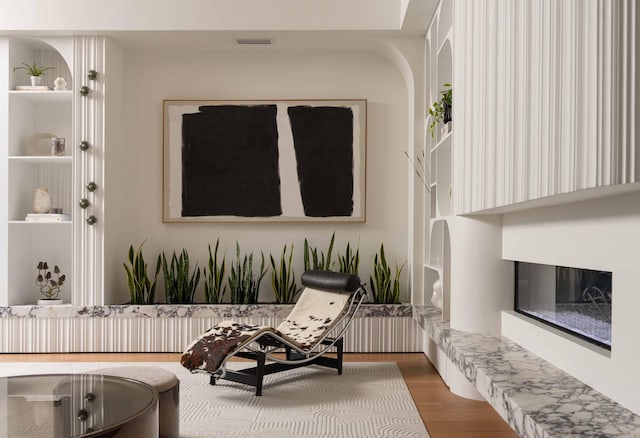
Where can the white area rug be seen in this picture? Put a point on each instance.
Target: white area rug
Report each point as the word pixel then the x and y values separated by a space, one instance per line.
pixel 368 400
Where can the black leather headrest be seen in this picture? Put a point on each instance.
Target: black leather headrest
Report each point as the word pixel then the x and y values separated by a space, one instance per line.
pixel 331 281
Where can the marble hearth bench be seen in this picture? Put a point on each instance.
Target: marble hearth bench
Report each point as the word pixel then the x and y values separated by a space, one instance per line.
pixel 537 399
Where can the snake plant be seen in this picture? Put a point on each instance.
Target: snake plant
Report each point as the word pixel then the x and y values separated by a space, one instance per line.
pixel 350 261
pixel 243 285
pixel 283 278
pixel 180 287
pixel 385 289
pixel 213 288
pixel 318 261
pixel 142 290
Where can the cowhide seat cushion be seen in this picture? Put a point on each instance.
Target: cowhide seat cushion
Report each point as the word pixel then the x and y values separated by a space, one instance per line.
pixel 313 316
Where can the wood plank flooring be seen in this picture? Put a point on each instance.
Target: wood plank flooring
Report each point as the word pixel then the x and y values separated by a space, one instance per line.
pixel 445 414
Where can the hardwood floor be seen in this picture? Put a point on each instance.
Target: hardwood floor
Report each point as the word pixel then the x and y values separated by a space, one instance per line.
pixel 445 414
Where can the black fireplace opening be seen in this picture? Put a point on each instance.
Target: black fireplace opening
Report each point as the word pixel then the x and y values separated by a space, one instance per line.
pixel 574 300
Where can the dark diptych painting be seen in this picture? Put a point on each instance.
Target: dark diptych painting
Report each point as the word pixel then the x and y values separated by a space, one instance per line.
pixel 230 162
pixel 267 161
pixel 323 141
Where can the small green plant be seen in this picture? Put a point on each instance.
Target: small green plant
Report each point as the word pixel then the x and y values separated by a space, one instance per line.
pixel 33 70
pixel 438 108
pixel 315 261
pixel 49 286
pixel 283 278
pixel 180 287
pixel 141 289
pixel 213 278
pixel 385 289
pixel 350 261
pixel 243 286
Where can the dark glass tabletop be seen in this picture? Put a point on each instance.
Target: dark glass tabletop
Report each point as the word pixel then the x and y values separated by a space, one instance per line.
pixel 70 405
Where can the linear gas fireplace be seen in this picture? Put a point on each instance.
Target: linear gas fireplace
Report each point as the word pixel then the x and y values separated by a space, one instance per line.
pixel 577 301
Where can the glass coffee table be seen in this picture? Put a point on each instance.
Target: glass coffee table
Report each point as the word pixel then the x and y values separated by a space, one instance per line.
pixel 77 405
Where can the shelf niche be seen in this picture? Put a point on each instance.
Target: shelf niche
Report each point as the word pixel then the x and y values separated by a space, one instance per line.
pixel 31 243
pixel 33 118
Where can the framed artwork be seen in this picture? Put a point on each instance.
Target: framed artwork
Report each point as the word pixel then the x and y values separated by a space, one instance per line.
pixel 276 160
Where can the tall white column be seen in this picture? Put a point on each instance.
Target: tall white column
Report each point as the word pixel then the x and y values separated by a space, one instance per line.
pixel 89 54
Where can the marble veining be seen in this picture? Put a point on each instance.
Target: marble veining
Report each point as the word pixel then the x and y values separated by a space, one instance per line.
pixel 536 398
pixel 186 311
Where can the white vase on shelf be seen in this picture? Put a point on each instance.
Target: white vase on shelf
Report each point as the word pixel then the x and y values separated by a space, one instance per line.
pixel 41 201
pixel 436 298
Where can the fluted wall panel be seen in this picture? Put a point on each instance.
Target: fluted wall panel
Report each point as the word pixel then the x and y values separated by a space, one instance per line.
pixel 88 281
pixel 45 335
pixel 545 99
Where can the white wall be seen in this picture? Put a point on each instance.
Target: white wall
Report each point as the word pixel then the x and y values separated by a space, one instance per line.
pixel 151 76
pixel 601 234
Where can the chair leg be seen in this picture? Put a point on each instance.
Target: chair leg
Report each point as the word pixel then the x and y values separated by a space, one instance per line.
pixel 340 348
pixel 261 359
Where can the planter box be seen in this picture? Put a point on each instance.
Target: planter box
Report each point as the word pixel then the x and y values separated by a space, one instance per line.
pixel 169 328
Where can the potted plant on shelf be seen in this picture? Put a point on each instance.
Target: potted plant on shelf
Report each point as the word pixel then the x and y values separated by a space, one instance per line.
pixel 34 71
pixel 440 110
pixel 49 286
pixel 141 289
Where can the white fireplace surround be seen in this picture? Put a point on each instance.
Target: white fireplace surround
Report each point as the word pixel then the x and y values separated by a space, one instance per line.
pixel 599 234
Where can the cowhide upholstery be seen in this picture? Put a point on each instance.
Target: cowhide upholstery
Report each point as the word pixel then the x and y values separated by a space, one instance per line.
pixel 314 314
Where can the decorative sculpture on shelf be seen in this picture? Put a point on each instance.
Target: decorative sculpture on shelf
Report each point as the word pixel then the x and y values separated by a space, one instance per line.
pixel 59 84
pixel 49 286
pixel 41 201
pixel 436 298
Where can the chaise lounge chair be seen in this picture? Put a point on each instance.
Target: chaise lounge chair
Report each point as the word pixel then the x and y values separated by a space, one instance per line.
pixel 317 323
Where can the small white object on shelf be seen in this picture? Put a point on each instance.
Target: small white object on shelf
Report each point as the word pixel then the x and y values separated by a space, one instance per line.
pixel 59 84
pixel 444 130
pixel 57 146
pixel 436 298
pixel 50 217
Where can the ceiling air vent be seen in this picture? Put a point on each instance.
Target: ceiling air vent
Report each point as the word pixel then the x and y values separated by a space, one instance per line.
pixel 253 41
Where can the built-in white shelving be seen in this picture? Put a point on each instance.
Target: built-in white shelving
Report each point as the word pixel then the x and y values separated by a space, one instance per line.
pixel 32 120
pixel 42 96
pixel 438 147
pixel 42 159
